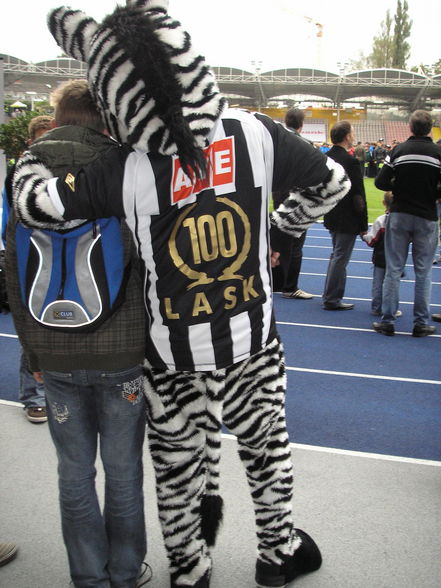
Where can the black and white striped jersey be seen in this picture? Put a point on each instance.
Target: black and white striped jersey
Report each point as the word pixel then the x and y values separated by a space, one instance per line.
pixel 204 244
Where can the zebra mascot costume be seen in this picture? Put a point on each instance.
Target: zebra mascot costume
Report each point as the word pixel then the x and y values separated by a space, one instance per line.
pixel 194 179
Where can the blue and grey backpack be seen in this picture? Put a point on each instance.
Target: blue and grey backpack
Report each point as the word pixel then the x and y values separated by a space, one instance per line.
pixel 72 280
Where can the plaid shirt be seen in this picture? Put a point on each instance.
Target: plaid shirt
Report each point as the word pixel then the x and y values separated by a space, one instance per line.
pixel 117 344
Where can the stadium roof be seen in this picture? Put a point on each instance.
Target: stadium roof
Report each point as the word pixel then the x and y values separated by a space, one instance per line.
pixel 399 87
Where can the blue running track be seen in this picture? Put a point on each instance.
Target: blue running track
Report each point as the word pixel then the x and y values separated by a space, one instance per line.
pixel 348 387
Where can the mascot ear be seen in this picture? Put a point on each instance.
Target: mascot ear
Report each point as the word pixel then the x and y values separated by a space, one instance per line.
pixel 159 5
pixel 73 31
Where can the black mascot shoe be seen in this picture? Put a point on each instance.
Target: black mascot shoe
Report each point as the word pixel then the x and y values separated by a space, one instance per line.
pixel 307 558
pixel 203 582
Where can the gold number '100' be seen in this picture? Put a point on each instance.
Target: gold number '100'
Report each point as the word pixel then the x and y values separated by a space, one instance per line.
pixel 208 236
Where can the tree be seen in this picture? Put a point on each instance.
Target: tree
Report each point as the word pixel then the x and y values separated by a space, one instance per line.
pixel 433 69
pixel 391 49
pixel 382 47
pixel 359 63
pixel 402 29
pixel 14 134
pixel 437 67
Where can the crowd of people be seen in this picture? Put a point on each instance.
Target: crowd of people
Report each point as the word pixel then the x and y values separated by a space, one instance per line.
pixel 370 154
pixel 190 180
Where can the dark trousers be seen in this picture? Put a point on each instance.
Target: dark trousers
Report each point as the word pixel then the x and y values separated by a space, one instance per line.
pixel 342 246
pixel 286 275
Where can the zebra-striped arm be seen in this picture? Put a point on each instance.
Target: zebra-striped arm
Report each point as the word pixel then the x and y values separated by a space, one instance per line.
pixel 305 206
pixel 31 195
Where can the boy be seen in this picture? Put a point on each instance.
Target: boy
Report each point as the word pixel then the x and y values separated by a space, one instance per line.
pixel 375 238
pixel 94 385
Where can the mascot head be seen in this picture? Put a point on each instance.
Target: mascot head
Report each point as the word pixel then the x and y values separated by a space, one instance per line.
pixel 154 91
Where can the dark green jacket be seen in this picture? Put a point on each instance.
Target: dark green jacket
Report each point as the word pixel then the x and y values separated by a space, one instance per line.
pixel 119 342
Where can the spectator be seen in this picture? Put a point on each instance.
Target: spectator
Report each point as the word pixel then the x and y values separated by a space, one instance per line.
pixel 375 238
pixel 371 171
pixel 345 221
pixel 412 171
pixel 31 393
pixel 360 155
pixel 286 274
pixel 94 384
pixel 379 155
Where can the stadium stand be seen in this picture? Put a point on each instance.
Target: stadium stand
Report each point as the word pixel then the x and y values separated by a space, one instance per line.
pixel 369 131
pixel 396 130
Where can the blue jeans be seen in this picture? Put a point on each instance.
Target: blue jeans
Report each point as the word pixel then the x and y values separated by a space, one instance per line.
pixel 438 210
pixel 104 549
pixel 401 230
pixel 31 393
pixel 377 288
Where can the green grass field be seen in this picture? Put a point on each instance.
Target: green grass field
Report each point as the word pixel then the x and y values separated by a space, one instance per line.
pixel 374 199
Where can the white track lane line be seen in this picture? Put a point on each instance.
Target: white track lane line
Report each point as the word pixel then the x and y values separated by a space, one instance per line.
pixel 378 456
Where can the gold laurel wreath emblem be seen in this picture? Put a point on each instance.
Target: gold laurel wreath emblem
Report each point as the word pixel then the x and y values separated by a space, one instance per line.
pixel 230 272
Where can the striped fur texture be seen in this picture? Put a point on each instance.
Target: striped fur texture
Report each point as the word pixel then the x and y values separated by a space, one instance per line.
pixel 155 92
pixel 185 411
pixel 303 207
pixel 32 201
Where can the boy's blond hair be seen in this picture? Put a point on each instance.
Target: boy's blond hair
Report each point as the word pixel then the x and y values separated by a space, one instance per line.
pixel 38 126
pixel 74 106
pixel 387 200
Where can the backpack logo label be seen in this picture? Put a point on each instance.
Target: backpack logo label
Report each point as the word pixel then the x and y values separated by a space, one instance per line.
pixel 64 315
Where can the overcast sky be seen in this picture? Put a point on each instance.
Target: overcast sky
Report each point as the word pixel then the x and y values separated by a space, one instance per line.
pixel 272 33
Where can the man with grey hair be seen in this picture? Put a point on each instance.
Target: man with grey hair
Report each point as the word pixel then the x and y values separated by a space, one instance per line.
pixel 412 171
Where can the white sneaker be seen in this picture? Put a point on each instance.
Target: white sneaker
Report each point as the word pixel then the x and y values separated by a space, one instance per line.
pixel 300 294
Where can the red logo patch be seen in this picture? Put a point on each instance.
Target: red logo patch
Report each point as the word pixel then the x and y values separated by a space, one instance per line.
pixel 221 168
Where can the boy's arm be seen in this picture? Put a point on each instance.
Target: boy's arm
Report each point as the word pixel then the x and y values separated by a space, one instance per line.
pixel 375 232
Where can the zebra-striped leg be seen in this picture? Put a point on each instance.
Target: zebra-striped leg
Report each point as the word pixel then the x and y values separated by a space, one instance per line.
pixel 254 410
pixel 178 417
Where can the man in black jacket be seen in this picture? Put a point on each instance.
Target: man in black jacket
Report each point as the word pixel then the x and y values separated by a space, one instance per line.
pixel 286 275
pixel 345 221
pixel 413 172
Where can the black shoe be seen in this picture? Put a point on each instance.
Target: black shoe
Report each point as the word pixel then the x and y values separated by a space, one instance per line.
pixel 339 306
pixel 436 318
pixel 306 558
pixel 203 582
pixel 384 328
pixel 423 330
